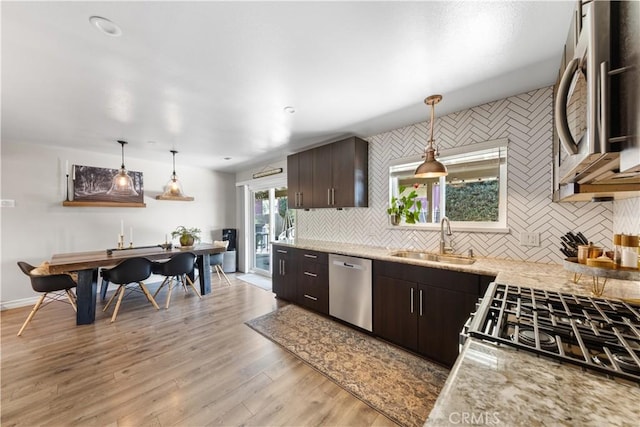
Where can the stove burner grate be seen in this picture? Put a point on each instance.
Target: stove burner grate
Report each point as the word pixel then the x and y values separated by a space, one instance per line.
pixel 595 333
pixel 528 337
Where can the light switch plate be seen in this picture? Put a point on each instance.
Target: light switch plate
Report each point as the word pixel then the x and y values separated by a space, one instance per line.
pixel 7 203
pixel 529 239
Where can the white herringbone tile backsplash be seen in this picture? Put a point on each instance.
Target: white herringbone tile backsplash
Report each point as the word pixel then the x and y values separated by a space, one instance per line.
pixel 626 216
pixel 526 120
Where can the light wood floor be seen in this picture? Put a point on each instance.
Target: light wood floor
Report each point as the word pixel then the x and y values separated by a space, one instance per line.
pixel 195 364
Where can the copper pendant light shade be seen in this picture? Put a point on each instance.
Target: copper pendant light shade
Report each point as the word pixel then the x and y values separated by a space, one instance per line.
pixel 431 168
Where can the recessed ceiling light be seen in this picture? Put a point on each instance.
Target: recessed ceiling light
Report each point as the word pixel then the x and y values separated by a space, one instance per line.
pixel 227 158
pixel 105 26
pixel 289 110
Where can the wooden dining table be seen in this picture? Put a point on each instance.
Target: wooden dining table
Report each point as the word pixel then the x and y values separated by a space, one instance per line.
pixel 86 264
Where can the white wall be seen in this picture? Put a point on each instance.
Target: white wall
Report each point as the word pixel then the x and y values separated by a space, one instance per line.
pixel 39 226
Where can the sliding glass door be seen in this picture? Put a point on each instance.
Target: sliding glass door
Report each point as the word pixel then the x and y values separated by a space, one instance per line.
pixel 271 221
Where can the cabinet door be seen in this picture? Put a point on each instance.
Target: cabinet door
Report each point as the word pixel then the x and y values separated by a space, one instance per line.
pixel 293 183
pixel 284 280
pixel 349 173
pixel 442 313
pixel 300 180
pixel 394 311
pixel 322 183
pixel 305 179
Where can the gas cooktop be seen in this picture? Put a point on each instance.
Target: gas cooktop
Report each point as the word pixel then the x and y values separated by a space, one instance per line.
pixel 595 333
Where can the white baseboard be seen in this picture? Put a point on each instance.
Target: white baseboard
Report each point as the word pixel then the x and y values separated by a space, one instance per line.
pixel 6 305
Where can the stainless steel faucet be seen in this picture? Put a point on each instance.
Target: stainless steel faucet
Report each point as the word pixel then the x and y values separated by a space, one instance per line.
pixel 443 247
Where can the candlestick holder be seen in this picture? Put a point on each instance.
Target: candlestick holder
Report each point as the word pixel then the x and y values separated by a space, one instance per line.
pixel 121 241
pixel 130 245
pixel 67 183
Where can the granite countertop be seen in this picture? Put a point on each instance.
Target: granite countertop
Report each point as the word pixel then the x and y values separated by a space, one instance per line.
pixel 499 385
pixel 551 277
pixel 503 386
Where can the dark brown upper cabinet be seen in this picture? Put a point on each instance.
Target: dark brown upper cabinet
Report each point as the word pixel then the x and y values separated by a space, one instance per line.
pixel 300 180
pixel 340 176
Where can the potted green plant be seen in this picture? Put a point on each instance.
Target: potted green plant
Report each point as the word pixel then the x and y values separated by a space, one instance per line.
pixel 188 236
pixel 402 207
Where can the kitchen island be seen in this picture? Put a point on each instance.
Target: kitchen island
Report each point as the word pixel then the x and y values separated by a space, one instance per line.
pixel 499 385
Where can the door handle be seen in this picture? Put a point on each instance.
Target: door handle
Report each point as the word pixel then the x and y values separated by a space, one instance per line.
pixel 560 107
pixel 420 302
pixel 411 300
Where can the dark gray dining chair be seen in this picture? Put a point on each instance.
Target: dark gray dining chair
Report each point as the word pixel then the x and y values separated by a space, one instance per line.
pixel 53 287
pixel 178 268
pixel 131 271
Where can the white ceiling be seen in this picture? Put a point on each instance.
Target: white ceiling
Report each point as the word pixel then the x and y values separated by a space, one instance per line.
pixel 211 79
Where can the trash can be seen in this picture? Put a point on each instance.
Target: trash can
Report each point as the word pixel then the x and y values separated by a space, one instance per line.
pixel 229 262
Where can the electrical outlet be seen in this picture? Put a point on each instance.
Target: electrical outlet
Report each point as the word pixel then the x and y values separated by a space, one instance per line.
pixel 8 203
pixel 529 239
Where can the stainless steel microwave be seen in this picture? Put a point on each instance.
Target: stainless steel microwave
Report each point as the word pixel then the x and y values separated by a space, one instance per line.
pixel 597 104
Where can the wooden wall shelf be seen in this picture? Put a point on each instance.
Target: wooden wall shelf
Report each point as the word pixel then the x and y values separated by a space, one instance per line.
pixel 73 203
pixel 182 199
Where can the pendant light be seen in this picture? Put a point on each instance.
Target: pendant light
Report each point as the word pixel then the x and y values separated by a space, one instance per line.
pixel 173 189
pixel 122 184
pixel 431 168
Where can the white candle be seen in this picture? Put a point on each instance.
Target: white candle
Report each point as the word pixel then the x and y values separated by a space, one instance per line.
pixel 122 227
pixel 66 168
pixel 131 234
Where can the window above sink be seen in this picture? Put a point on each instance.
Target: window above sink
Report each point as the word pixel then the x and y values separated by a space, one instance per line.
pixel 473 195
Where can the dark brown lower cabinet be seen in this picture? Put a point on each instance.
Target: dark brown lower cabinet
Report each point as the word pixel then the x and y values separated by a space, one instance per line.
pixel 284 278
pixel 423 309
pixel 443 315
pixel 313 281
pixel 394 315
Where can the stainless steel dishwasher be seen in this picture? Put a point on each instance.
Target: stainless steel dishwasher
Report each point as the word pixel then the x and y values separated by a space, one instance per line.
pixel 350 293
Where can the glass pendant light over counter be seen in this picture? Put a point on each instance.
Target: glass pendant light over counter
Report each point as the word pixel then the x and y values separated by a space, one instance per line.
pixel 122 184
pixel 431 168
pixel 173 189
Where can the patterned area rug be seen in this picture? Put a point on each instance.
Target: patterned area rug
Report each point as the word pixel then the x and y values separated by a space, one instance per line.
pixel 401 385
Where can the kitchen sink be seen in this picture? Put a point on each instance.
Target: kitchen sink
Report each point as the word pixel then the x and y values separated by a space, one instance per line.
pixel 429 256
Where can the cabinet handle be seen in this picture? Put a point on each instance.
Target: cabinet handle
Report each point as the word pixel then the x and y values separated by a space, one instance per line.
pixel 310 256
pixel 284 272
pixel 333 196
pixel 310 297
pixel 412 300
pixel 310 274
pixel 301 199
pixel 329 196
pixel 420 302
pixel 282 251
